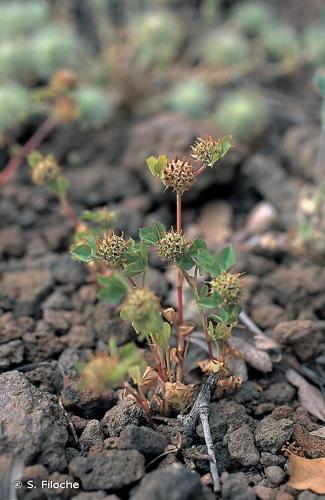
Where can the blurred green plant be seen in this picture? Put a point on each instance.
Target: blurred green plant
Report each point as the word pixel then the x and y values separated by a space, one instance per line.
pixel 155 38
pixel 19 18
pixel 224 47
pixel 191 97
pixel 15 105
pixel 314 44
pixel 252 16
pixel 243 113
pixel 284 47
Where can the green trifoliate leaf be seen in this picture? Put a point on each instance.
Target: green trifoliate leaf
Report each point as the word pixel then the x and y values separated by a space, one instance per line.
pixel 207 263
pixel 34 158
pixel 157 165
pixel 150 235
pixel 83 252
pixel 226 258
pixel 188 260
pixel 114 288
pixel 223 148
pixel 206 301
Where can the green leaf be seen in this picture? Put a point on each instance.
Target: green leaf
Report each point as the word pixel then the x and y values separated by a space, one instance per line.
pixel 83 253
pixel 157 165
pixel 206 301
pixel 207 263
pixel 226 258
pixel 150 235
pixel 134 268
pixel 188 260
pixel 113 290
pixel 92 242
pixel 60 186
pixel 34 158
pixel 162 338
pixel 224 147
pixel 144 253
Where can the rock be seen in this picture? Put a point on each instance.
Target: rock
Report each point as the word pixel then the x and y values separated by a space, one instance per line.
pixel 23 291
pixel 241 446
pixel 145 440
pixel 42 343
pixel 80 336
pixel 69 272
pixel 312 446
pixel 283 495
pixel 308 495
pixel 173 482
pixel 248 393
pixel 297 286
pixel 12 242
pixel 108 469
pixel 272 181
pixel 108 324
pixel 275 474
pixel 57 300
pixel 95 188
pixel 83 402
pixel 47 377
pixel 33 424
pixel 95 495
pixel 264 493
pixel 37 474
pixel 300 145
pixel 11 353
pixel 126 412
pixel 279 393
pixel 271 434
pixel 69 358
pixel 54 490
pixel 215 223
pixel 235 487
pixel 91 435
pixel 270 459
pixel 11 329
pixel 305 336
pixel 269 315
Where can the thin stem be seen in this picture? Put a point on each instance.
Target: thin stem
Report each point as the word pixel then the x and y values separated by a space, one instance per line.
pixel 179 286
pixel 67 209
pixel 206 333
pixel 200 170
pixel 33 143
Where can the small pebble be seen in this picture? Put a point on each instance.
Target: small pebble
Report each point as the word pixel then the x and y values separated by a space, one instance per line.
pixel 275 474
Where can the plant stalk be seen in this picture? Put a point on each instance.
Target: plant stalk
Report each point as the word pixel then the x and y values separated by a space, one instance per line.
pixel 179 286
pixel 66 207
pixel 33 143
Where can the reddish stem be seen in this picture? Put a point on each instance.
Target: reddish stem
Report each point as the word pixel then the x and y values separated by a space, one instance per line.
pixel 179 286
pixel 33 143
pixel 200 170
pixel 68 210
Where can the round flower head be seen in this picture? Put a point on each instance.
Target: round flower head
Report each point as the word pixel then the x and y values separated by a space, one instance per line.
pixel 64 79
pixel 204 149
pixel 139 304
pixel 228 285
pixel 172 246
pixel 178 175
pixel 111 248
pixel 45 171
